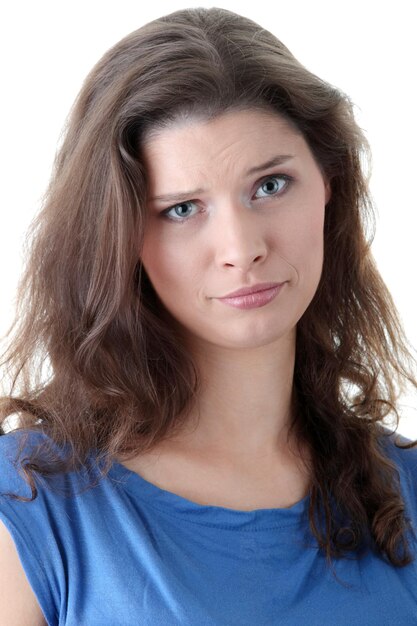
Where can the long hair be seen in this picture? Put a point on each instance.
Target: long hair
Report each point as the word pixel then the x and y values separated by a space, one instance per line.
pixel 93 361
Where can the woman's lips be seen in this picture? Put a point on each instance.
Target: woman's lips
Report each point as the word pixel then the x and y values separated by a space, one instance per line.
pixel 253 297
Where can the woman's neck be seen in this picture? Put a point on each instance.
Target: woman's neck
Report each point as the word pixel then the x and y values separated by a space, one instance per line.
pixel 245 405
pixel 234 449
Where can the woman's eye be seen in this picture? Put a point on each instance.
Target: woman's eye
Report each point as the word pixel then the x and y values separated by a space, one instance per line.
pixel 180 211
pixel 272 186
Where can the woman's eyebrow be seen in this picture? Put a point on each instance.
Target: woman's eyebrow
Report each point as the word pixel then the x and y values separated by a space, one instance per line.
pixel 276 160
pixel 180 195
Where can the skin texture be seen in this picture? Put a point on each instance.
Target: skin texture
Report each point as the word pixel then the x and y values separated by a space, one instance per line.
pixel 239 229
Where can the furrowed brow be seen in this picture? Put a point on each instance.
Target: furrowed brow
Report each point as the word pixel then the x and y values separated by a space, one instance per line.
pixel 179 196
pixel 274 162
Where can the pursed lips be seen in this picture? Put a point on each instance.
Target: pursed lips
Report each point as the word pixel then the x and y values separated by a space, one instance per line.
pixel 245 291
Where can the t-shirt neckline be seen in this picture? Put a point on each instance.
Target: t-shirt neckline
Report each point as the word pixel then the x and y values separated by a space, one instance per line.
pixel 175 505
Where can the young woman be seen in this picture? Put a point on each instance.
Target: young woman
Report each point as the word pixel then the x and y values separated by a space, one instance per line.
pixel 206 357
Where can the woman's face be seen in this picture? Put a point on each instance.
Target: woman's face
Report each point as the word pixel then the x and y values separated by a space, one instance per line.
pixel 234 202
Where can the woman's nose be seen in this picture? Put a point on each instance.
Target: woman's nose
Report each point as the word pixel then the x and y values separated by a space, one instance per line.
pixel 239 238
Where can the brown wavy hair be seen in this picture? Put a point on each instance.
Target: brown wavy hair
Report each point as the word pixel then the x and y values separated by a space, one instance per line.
pixel 93 360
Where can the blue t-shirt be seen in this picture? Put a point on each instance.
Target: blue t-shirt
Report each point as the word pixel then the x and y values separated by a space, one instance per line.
pixel 128 553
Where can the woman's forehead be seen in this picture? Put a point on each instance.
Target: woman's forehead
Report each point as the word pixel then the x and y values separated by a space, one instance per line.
pixel 225 134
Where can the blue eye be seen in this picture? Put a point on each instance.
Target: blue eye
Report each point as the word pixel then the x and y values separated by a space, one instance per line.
pixel 273 185
pixel 179 211
pixel 270 187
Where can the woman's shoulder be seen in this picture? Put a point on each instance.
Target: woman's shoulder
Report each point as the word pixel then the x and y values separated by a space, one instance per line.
pixel 19 441
pixel 51 472
pixel 16 447
pixel 32 524
pixel 395 447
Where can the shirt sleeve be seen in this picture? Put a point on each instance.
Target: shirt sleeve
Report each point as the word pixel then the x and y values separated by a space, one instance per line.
pixel 31 530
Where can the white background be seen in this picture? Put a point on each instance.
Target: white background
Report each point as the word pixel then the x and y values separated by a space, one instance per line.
pixel 367 49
